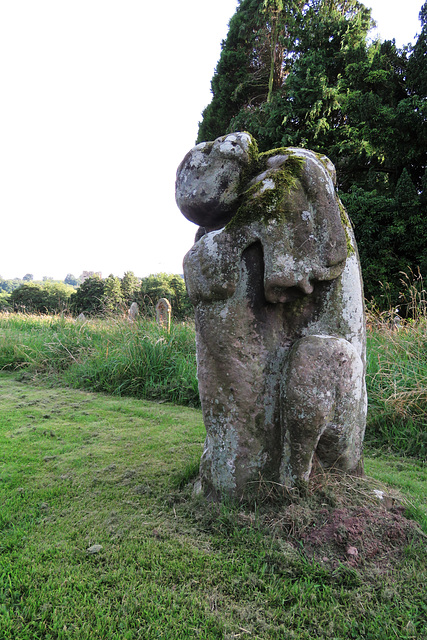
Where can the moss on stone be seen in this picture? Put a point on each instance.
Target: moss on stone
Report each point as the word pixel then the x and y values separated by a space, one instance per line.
pixel 322 158
pixel 207 148
pixel 279 151
pixel 261 201
pixel 347 226
pixel 249 171
pixel 252 149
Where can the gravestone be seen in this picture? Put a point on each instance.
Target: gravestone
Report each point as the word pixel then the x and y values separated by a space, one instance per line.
pixel 275 280
pixel 133 311
pixel 163 314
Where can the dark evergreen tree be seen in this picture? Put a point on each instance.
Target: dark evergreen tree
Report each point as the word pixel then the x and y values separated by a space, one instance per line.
pixel 392 236
pixel 305 74
pixel 72 280
pixel 256 57
pixel 418 62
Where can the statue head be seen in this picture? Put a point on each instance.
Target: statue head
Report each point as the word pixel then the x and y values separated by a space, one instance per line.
pixel 208 179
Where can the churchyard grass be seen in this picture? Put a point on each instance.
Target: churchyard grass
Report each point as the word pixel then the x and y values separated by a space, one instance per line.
pixel 79 469
pixel 114 356
pixel 110 355
pixel 397 387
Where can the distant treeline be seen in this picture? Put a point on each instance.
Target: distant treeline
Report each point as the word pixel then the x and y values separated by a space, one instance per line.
pixel 93 295
pixel 9 285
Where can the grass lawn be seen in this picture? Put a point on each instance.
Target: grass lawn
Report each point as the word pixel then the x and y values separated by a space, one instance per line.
pixel 101 537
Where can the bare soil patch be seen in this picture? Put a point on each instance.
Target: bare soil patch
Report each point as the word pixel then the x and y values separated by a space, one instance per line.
pixel 360 537
pixel 340 520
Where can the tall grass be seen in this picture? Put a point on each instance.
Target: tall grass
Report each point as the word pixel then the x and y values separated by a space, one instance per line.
pixel 397 373
pixel 397 388
pixel 144 361
pixel 110 355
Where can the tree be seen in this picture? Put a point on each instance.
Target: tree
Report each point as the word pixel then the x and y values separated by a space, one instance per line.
pixel 254 56
pixel 112 298
pixel 130 286
pixel 89 297
pixel 28 277
pixel 418 61
pixel 269 42
pixel 72 280
pixel 4 301
pixel 304 74
pixel 37 297
pixel 163 285
pixel 306 110
pixel 273 9
pixel 392 236
pixel 9 285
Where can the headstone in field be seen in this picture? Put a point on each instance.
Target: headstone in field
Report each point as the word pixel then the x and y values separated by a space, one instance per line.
pixel 133 311
pixel 275 280
pixel 81 317
pixel 163 313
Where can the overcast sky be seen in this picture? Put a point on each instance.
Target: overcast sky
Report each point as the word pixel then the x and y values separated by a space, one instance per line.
pixel 101 100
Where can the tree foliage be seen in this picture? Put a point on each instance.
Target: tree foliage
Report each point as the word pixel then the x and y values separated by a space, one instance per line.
pixel 112 295
pixel 89 297
pixel 72 280
pixel 112 298
pixel 9 285
pixel 169 286
pixel 95 295
pixel 304 73
pixel 37 297
pixel 130 286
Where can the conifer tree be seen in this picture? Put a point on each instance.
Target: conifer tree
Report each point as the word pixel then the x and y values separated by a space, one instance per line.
pixel 303 73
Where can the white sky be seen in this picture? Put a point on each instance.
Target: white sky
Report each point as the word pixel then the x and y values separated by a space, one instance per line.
pixel 101 100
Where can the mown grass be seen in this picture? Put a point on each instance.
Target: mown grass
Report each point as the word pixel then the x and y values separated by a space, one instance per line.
pixel 80 469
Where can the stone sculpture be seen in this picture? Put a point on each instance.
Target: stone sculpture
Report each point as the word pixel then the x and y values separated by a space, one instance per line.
pixel 275 280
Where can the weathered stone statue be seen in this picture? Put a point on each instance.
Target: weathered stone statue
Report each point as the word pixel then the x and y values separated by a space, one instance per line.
pixel 274 277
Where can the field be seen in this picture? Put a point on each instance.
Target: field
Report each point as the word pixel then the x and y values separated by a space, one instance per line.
pixel 102 537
